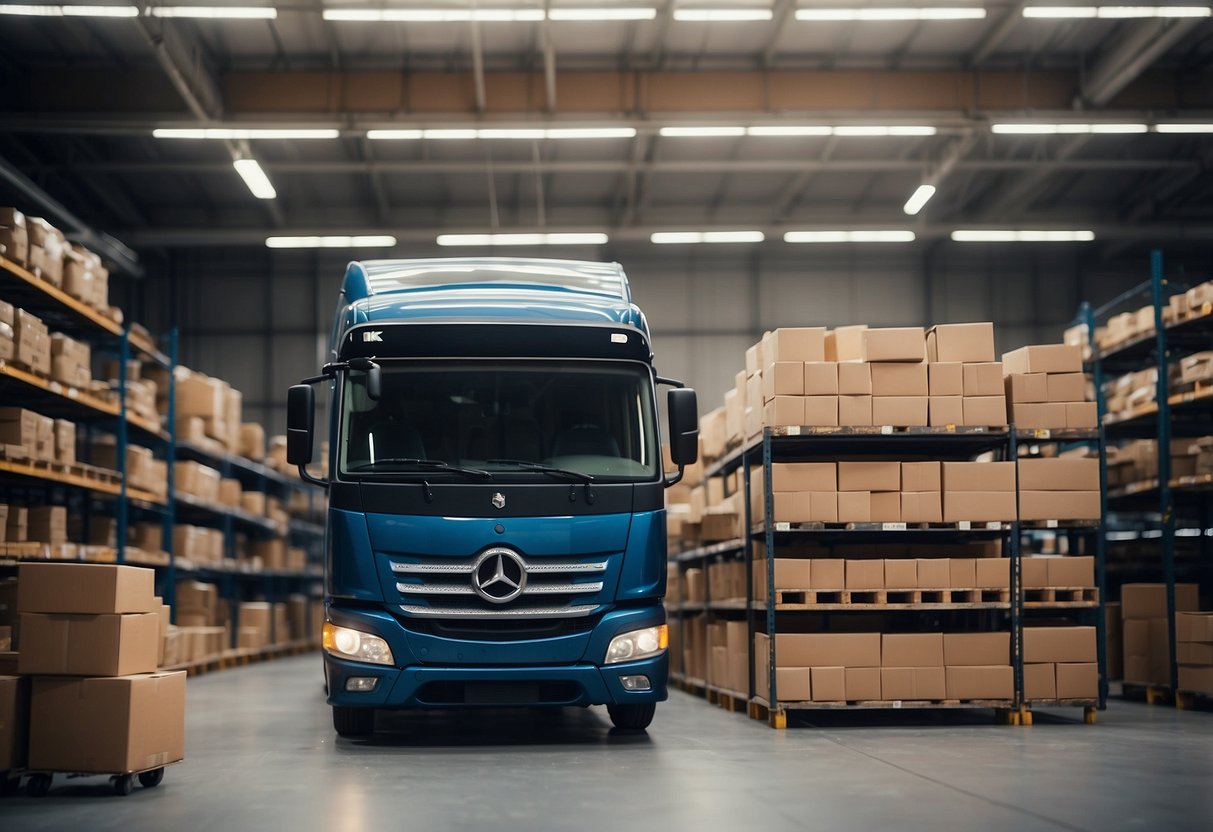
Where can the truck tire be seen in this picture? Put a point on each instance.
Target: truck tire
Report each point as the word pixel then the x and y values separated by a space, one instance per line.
pixel 353 722
pixel 632 717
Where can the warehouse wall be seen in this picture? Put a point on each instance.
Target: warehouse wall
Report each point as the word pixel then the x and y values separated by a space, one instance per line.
pixel 260 319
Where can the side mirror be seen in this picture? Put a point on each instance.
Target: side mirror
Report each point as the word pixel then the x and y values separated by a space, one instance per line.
pixel 683 408
pixel 300 423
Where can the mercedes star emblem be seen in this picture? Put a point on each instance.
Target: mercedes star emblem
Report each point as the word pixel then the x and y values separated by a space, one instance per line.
pixel 499 576
pixel 499 500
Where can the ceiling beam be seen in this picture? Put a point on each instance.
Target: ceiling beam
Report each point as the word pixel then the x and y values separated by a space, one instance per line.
pixel 784 13
pixel 1021 192
pixel 1140 46
pixel 994 36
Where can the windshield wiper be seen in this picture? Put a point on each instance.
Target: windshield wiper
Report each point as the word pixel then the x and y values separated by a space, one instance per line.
pixel 429 464
pixel 546 469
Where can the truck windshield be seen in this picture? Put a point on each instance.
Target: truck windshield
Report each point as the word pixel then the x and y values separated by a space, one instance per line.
pixel 515 420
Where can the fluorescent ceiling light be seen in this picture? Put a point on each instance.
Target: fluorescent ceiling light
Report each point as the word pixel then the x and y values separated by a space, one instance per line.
pixel 883 130
pixel 891 236
pixel 790 130
pixel 32 11
pixel 367 241
pixel 1012 236
pixel 446 135
pixel 69 11
pixel 681 237
pixel 434 15
pixel 882 14
pixel 1116 12
pixel 511 133
pixel 1184 128
pixel 722 15
pixel 702 132
pixel 1066 129
pixel 590 133
pixel 255 178
pixel 602 14
pixel 242 133
pixel 558 239
pixel 216 12
pixel 921 196
pixel 393 135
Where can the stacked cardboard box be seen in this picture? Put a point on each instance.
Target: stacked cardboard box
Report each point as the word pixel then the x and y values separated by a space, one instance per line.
pixel 1047 389
pixel 727 664
pixel 143 470
pixel 65 442
pixel 71 361
pixel 1131 391
pixel 31 343
pixel 965 381
pixel 47 246
pixel 26 434
pixel 1141 322
pixel 214 402
pixel 1064 488
pixel 91 637
pixel 8 347
pixel 197 480
pixel 1194 651
pixel 14 236
pixel 47 524
pixel 85 278
pixel 1053 571
pixel 1060 663
pixel 198 543
pixel 1146 637
pixel 16 524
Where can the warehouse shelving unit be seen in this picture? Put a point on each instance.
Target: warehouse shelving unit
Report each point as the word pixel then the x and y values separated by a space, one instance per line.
pixel 1152 509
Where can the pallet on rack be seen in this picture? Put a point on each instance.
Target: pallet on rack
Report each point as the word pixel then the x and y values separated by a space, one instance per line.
pixel 1005 711
pixel 889 598
pixel 1058 596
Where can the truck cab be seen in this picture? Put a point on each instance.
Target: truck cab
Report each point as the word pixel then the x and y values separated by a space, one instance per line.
pixel 496 529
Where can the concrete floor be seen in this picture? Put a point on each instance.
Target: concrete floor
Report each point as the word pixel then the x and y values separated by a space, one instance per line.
pixel 261 755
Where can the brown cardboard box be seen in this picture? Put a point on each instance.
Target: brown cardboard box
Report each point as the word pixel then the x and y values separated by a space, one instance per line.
pixel 1059 644
pixel 1186 652
pixel 821 411
pixel 1035 572
pixel 1071 571
pixel 1082 415
pixel 253 502
pixel 921 507
pixel 90 589
pixel 1039 681
pixel 1198 679
pixel 985 410
pixel 1077 680
pixel 854 378
pixel 992 573
pixel 1066 387
pixel 845 343
pixel 1027 388
pixel 976 649
pixel 911 650
pixel 190 477
pixel 854 507
pixel 1150 600
pixel 1194 626
pixel 48 524
pixel 790 573
pixel 912 683
pixel 978 476
pixel 901 573
pixel 88 645
pixel 894 344
pixel 829 684
pixel 1059 474
pixel 899 379
pixel 16 527
pixel 885 507
pixel 980 682
pixel 791 683
pixel 869 476
pixel 934 573
pixel 84 725
pixel 782 411
pixel 820 378
pixel 65 442
pixel 962 573
pixel 1037 416
pixel 921 476
pixel 984 379
pixel 827 649
pixel 900 411
pixel 978 506
pixel 20 427
pixel 862 684
pixel 823 506
pixel 1059 505
pixel 794 344
pixel 945 379
pixel 753 359
pixel 865 574
pixel 783 378
pixel 14 722
pixel 946 410
pixel 803 476
pixel 855 411
pixel 252 441
pixel 197 597
pixel 1044 358
pixel 828 573
pixel 968 343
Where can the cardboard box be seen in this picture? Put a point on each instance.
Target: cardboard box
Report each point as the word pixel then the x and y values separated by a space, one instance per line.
pixel 980 682
pixel 827 649
pixel 1194 626
pixel 984 379
pixel 828 573
pixel 845 343
pixel 1059 505
pixel 985 410
pixel 1066 387
pixel 899 379
pixel 862 684
pixel 783 378
pixel 1077 680
pixel 912 684
pixel 865 574
pixel 869 476
pixel 945 410
pixel 921 476
pixel 911 650
pixel 885 506
pixel 790 573
pixel 1027 388
pixel 855 411
pixel 804 476
pixel 1044 358
pixel 1039 681
pixel 962 573
pixel 65 442
pixel 900 411
pixel 823 506
pixel 48 524
pixel 14 722
pixel 933 573
pixel 794 344
pixel 88 645
pixel 86 725
pixel 978 476
pixel 1059 474
pixel 901 573
pixel 792 684
pixel 16 527
pixel 992 573
pixel 1040 416
pixel 1034 572
pixel 966 343
pixel 829 684
pixel 782 411
pixel 921 507
pixel 821 411
pixel 978 506
pixel 945 379
pixel 89 589
pixel 1082 415
pixel 753 359
pixel 1059 644
pixel 976 649
pixel 854 378
pixel 1071 571
pixel 894 344
pixel 1150 600
pixel 820 378
pixel 854 507
pixel 252 441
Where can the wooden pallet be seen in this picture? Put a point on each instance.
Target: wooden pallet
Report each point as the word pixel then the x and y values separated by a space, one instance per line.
pixel 1150 694
pixel 1046 596
pixel 731 701
pixel 889 597
pixel 777 717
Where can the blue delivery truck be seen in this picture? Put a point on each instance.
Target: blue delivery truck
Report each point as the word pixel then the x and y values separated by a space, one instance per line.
pixel 496 529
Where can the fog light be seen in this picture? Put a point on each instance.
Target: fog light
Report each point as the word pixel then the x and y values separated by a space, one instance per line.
pixel 635 683
pixel 362 684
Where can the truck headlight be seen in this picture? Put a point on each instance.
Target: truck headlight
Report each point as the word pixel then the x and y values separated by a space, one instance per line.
pixel 638 644
pixel 356 645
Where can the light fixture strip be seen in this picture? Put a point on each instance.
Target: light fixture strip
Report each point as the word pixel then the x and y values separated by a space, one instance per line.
pixel 918 200
pixel 254 177
pixel 859 236
pixel 1114 12
pixel 885 14
pixel 1007 235
pixel 696 237
pixel 334 241
pixel 580 238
